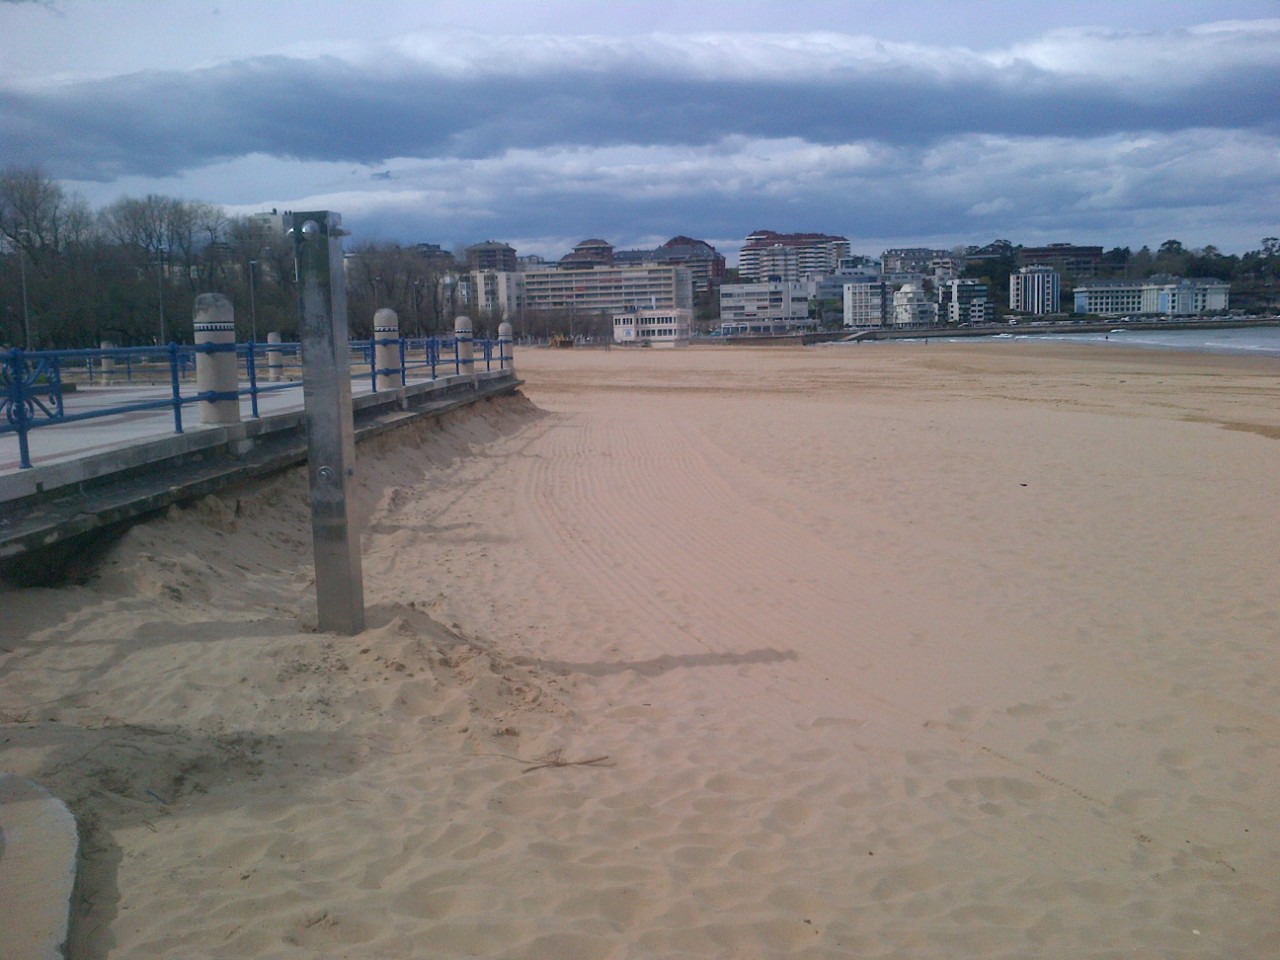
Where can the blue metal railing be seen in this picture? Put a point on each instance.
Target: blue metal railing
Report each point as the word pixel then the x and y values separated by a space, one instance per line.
pixel 31 383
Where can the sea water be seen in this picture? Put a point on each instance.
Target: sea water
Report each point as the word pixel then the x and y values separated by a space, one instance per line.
pixel 1241 341
pixel 1250 341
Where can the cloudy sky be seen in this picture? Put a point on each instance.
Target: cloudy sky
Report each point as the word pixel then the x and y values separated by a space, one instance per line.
pixel 542 123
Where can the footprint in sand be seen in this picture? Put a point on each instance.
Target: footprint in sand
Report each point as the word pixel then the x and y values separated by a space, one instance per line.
pixel 1178 758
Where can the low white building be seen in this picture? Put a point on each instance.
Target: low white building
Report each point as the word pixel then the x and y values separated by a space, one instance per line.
pixel 1173 296
pixel 654 328
pixel 911 308
pixel 783 301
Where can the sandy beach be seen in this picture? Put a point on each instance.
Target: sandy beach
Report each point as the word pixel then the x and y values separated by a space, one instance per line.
pixel 887 651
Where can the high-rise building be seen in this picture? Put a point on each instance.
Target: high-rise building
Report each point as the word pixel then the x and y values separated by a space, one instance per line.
pixel 491 255
pixel 498 293
pixel 1066 258
pixel 1036 290
pixel 789 256
pixel 864 302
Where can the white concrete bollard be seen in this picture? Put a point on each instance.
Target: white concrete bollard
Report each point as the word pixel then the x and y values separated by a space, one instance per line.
pixel 466 346
pixel 214 323
pixel 275 358
pixel 386 356
pixel 108 363
pixel 506 342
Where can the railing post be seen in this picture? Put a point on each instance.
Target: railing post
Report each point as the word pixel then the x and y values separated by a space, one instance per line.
pixel 404 378
pixel 252 369
pixel 463 347
pixel 433 353
pixel 177 389
pixel 16 394
pixel 506 357
pixel 54 372
pixel 388 372
pixel 217 381
pixel 108 363
pixel 275 358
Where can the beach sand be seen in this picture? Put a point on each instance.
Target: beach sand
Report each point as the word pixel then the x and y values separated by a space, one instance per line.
pixel 881 651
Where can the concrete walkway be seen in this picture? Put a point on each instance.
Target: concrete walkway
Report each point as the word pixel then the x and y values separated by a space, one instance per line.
pixel 92 474
pixel 54 442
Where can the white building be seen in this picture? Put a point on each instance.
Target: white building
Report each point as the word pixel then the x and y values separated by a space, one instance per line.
pixel 1159 295
pixel 498 293
pixel 778 301
pixel 608 289
pixel 655 328
pixel 790 256
pixel 864 303
pixel 911 308
pixel 921 260
pixel 1036 290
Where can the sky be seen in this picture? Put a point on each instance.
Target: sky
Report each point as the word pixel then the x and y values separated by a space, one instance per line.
pixel 544 123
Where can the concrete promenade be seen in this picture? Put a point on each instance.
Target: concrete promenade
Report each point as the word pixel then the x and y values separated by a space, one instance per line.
pixel 95 474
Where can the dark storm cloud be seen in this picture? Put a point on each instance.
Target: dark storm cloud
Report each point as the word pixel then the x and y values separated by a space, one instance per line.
pixel 161 123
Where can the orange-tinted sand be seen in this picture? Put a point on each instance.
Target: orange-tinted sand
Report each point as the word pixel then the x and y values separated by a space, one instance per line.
pixel 879 651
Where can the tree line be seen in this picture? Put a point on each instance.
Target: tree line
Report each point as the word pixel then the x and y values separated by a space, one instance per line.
pixel 1254 276
pixel 130 272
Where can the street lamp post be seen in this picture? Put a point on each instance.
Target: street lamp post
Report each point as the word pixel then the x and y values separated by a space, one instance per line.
pixel 417 295
pixel 160 288
pixel 253 305
pixel 26 314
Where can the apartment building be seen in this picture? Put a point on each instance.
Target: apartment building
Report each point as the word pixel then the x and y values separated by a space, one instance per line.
pixel 864 302
pixel 911 308
pixel 918 260
pixel 497 293
pixel 786 302
pixel 1066 258
pixel 491 255
pixel 790 257
pixel 1036 290
pixel 705 264
pixel 965 302
pixel 616 288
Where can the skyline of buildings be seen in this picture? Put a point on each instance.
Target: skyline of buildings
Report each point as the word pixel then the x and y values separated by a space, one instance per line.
pixel 803 279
